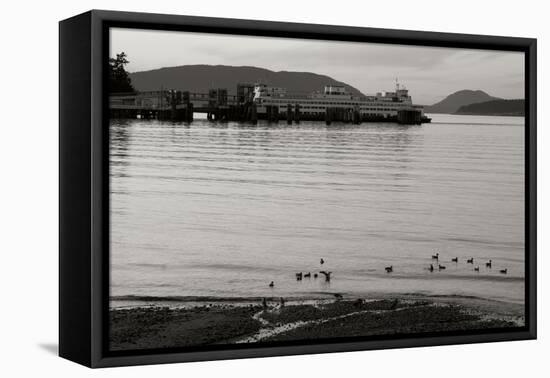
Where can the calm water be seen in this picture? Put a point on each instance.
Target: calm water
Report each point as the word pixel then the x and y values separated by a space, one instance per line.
pixel 222 209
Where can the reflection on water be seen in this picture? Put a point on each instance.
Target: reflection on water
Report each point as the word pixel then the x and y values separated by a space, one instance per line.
pixel 208 209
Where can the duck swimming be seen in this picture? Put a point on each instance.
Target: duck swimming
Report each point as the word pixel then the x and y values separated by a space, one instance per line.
pixel 327 275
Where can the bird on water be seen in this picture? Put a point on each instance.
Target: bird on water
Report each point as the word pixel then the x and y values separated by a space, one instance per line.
pixel 504 271
pixel 326 274
pixel 322 261
pixel 389 269
pixel 489 264
pixel 441 267
pixel 476 269
pixel 455 259
pixel 271 284
pixel 431 268
pixel 470 261
pixel 436 256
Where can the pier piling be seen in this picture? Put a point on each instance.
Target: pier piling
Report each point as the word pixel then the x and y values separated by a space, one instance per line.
pixel 328 115
pixel 356 119
pixel 289 114
pixel 253 114
pixel 297 113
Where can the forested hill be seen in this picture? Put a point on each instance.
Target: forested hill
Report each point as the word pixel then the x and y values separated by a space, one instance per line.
pixel 454 101
pixel 201 78
pixel 495 107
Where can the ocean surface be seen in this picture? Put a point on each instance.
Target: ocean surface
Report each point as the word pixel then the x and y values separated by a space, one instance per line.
pixel 222 209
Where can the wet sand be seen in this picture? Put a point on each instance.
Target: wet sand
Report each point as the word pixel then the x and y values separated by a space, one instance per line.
pixel 229 323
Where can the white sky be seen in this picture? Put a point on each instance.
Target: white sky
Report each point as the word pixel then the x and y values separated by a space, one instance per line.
pixel 430 73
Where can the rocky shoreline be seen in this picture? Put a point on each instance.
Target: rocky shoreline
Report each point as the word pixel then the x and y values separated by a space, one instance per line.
pixel 228 323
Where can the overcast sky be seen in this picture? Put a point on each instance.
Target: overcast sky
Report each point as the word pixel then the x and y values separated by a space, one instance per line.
pixel 430 73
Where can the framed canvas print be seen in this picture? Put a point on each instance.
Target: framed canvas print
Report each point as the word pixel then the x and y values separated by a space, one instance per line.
pixel 234 188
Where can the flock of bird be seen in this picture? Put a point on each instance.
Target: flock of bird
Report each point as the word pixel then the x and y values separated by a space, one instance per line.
pixel 301 275
pixel 431 268
pixel 389 269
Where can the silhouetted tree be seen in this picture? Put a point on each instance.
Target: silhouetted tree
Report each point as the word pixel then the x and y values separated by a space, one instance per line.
pixel 119 81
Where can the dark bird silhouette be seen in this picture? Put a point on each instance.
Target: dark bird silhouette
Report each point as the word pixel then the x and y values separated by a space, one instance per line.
pixel 431 268
pixel 299 276
pixel 389 269
pixel 504 271
pixel 436 256
pixel 441 267
pixel 326 274
pixel 489 264
pixel 315 275
pixel 338 296
pixel 307 275
pixel 476 269
pixel 322 261
pixel 470 261
pixel 455 260
pixel 271 284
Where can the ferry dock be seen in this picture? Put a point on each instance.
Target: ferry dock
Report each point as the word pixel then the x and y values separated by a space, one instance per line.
pixel 255 102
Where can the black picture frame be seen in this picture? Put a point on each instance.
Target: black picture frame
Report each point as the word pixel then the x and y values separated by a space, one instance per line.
pixel 83 182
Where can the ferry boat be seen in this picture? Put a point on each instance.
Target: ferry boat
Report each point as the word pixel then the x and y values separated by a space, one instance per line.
pixel 394 106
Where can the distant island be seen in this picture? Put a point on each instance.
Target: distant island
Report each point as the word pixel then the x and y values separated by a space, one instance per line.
pixel 495 107
pixel 477 102
pixel 201 78
pixel 453 102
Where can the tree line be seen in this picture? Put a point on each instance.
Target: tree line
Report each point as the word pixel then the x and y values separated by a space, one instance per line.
pixel 119 79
